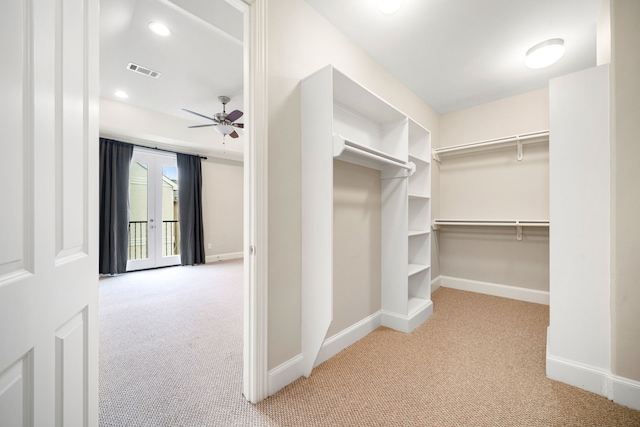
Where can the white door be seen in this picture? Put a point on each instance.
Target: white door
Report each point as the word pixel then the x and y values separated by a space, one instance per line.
pixel 49 215
pixel 154 235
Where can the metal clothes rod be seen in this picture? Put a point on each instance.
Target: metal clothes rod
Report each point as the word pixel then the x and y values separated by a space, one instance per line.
pixel 492 223
pixel 375 157
pixel 528 138
pixel 341 145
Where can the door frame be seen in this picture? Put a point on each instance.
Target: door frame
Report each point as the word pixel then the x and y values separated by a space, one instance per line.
pixel 154 159
pixel 255 358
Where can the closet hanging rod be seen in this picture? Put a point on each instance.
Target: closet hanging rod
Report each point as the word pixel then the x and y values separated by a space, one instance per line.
pixel 519 140
pixel 491 223
pixel 518 224
pixel 341 145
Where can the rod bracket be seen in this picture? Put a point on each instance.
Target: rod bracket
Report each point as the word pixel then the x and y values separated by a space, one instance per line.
pixel 519 148
pixel 518 231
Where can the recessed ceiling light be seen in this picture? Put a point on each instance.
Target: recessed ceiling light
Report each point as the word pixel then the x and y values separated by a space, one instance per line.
pixel 389 7
pixel 545 53
pixel 121 94
pixel 159 29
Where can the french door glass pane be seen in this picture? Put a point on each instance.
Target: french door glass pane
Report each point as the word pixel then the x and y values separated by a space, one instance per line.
pixel 170 229
pixel 138 210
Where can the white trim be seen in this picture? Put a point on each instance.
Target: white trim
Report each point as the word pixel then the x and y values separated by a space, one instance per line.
pixel 223 257
pixel 625 392
pixel 435 284
pixel 578 375
pixel 505 291
pixel 407 324
pixel 621 390
pixel 289 371
pixel 255 368
pixel 286 373
pixel 343 339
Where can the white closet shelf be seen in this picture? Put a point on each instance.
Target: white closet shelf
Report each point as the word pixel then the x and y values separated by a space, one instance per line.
pixel 418 232
pixel 416 268
pixel 413 157
pixel 418 197
pixel 491 144
pixel 518 223
pixel 346 150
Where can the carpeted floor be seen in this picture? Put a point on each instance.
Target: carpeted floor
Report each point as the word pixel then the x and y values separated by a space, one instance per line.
pixel 171 355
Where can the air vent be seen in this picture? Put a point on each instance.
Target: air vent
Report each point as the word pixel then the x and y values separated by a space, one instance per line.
pixel 142 70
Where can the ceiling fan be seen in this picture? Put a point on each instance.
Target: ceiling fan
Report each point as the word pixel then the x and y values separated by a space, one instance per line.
pixel 223 122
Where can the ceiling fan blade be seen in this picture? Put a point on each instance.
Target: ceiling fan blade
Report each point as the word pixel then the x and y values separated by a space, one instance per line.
pixel 234 115
pixel 198 114
pixel 233 134
pixel 202 126
pixel 238 125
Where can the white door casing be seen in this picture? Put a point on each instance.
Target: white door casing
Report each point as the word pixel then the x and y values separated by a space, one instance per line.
pixel 48 223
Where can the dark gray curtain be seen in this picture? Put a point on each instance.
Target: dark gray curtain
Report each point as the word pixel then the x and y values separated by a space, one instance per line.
pixel 115 159
pixel 190 209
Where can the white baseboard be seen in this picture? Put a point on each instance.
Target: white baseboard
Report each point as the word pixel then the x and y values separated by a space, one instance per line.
pixel 621 390
pixel 338 342
pixel 407 324
pixel 223 257
pixel 435 284
pixel 505 291
pixel 625 392
pixel 291 370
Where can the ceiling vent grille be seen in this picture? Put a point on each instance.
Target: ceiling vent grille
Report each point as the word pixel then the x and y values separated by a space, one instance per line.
pixel 143 70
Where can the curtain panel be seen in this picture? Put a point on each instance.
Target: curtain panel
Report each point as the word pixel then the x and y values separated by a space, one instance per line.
pixel 115 159
pixel 190 209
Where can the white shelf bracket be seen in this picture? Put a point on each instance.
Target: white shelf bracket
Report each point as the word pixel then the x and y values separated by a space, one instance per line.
pixel 435 156
pixel 519 146
pixel 518 231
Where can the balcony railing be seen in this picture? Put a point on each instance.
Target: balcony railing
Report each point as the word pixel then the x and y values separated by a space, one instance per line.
pixel 139 239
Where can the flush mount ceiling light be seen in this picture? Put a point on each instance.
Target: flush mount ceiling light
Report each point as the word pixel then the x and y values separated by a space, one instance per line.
pixel 544 54
pixel 160 29
pixel 121 94
pixel 389 7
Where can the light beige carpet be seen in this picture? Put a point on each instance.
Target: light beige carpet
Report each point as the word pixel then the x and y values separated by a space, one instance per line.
pixel 171 355
pixel 478 361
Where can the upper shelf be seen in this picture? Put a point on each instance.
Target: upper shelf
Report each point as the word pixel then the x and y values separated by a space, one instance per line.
pixel 352 152
pixel 491 144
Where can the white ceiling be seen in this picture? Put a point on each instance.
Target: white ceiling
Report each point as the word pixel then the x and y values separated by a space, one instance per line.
pixel 452 53
pixel 458 53
pixel 201 60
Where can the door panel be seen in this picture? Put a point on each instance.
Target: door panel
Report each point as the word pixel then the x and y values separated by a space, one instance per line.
pixel 48 256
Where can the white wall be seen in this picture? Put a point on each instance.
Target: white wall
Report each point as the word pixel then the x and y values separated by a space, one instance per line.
pixel 222 208
pixel 300 43
pixel 625 292
pixel 578 347
pixel 494 185
pixel 357 228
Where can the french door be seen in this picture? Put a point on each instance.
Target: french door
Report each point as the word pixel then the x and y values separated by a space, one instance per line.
pixel 154 234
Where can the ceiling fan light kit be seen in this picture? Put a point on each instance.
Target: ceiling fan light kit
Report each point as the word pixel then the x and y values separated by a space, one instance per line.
pixel 389 7
pixel 544 54
pixel 224 123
